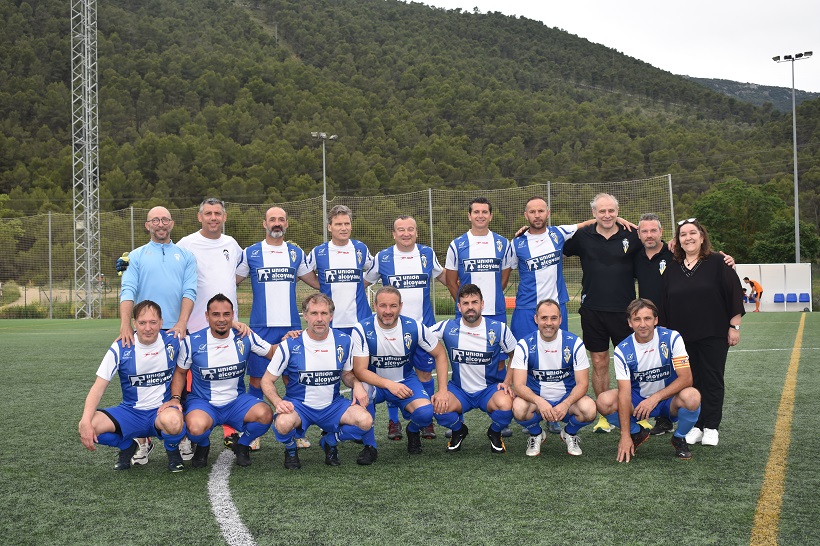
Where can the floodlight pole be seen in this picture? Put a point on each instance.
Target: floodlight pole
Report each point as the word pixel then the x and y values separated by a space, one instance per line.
pixel 791 59
pixel 323 137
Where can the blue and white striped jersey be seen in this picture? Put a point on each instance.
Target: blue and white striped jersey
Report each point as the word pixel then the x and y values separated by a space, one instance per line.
pixel 341 274
pixel 538 259
pixel 550 365
pixel 391 351
pixel 480 260
pixel 651 366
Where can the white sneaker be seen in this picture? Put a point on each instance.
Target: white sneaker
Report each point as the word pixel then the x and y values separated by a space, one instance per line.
pixel 694 436
pixel 256 444
pixel 144 449
pixel 710 437
pixel 186 449
pixel 534 444
pixel 573 444
pixel 302 443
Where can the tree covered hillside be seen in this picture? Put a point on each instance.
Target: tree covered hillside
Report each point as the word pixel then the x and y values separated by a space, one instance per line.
pixel 203 97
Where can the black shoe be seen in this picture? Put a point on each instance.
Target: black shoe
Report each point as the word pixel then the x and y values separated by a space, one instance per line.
pixel 496 443
pixel 231 440
pixel 681 448
pixel 639 437
pixel 413 442
pixel 243 455
pixel 662 426
pixel 367 456
pixel 292 461
pixel 331 453
pixel 457 438
pixel 124 457
pixel 175 463
pixel 200 458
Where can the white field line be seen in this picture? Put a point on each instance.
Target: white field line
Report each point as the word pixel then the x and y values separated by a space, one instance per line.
pixel 219 493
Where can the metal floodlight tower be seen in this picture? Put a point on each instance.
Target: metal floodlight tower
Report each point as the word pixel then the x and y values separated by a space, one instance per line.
pixel 85 159
pixel 323 137
pixel 791 59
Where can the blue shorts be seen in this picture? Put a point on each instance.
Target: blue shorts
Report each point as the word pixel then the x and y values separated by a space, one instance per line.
pixel 232 414
pixel 258 364
pixel 327 419
pixel 133 423
pixel 473 400
pixel 554 403
pixel 422 360
pixel 663 409
pixel 523 321
pixel 379 395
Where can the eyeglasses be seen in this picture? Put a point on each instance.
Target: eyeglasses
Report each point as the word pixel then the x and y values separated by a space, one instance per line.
pixel 688 221
pixel 158 221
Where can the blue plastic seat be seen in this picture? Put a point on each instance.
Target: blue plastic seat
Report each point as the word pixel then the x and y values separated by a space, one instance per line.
pixel 791 297
pixel 805 297
pixel 779 298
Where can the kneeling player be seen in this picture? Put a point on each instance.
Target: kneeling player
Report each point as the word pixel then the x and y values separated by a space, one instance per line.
pixel 315 362
pixel 476 346
pixel 551 376
pixel 218 358
pixel 145 371
pixel 654 379
pixel 384 348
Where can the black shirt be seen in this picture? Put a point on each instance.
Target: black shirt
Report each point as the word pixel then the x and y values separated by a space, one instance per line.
pixel 608 282
pixel 649 272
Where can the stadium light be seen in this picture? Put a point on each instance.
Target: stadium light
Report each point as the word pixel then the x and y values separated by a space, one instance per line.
pixel 791 59
pixel 324 138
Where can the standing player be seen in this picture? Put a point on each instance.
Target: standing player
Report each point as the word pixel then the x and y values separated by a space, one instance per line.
pixel 411 268
pixel 476 346
pixel 480 257
pixel 316 362
pixel 145 371
pixel 340 265
pixel 218 357
pixel 384 348
pixel 757 292
pixel 652 369
pixel 551 376
pixel 162 272
pixel 274 266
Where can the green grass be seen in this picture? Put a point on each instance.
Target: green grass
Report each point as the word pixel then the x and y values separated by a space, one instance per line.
pixel 57 492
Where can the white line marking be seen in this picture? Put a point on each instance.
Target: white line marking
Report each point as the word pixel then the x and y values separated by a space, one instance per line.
pixel 233 530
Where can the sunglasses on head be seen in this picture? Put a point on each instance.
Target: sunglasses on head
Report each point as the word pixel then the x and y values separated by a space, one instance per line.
pixel 687 221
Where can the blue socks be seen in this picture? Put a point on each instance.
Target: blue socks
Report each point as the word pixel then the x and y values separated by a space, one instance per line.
pixel 532 424
pixel 449 420
pixel 392 412
pixel 574 425
pixel 251 432
pixel 420 418
pixel 501 419
pixel 686 420
pixel 114 440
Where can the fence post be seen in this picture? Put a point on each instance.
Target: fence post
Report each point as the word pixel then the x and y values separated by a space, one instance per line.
pixel 430 207
pixel 50 273
pixel 132 226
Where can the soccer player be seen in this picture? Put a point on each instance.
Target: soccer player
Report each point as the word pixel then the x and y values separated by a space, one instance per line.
pixel 162 272
pixel 411 268
pixel 476 346
pixel 315 362
pixel 145 368
pixel 218 358
pixel 757 292
pixel 607 251
pixel 652 369
pixel 480 257
pixel 550 374
pixel 384 346
pixel 340 265
pixel 274 266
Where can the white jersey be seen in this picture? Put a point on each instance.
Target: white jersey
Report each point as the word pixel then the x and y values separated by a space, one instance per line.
pixel 541 273
pixel 390 352
pixel 216 261
pixel 651 366
pixel 218 364
pixel 550 365
pixel 341 270
pixel 480 260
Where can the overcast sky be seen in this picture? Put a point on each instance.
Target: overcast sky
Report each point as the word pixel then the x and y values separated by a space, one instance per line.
pixel 726 39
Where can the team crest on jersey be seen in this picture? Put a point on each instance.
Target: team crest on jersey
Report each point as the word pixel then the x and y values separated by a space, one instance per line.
pixel 358 256
pixel 625 243
pixel 292 255
pixel 227 255
pixel 664 350
pixel 385 257
pixel 498 245
pixel 408 340
pixel 462 244
pixel 554 237
pixel 322 251
pixel 240 347
pixel 491 337
pixel 340 353
pixel 662 266
pixel 453 331
pixel 169 349
pixel 424 261
pixel 126 354
pixel 255 253
pixel 567 354
pixel 370 334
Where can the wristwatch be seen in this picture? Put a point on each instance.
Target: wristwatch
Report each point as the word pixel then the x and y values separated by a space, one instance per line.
pixel 735 326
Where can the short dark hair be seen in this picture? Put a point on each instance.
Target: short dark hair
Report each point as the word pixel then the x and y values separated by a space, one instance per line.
pixel 547 301
pixel 219 297
pixel 533 198
pixel 145 305
pixel 387 289
pixel 641 303
pixel 651 217
pixel 339 210
pixel 469 290
pixel 402 217
pixel 482 201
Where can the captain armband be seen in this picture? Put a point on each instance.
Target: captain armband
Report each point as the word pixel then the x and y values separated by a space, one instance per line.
pixel 679 362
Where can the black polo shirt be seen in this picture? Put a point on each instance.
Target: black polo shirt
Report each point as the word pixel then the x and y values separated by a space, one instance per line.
pixel 608 282
pixel 649 272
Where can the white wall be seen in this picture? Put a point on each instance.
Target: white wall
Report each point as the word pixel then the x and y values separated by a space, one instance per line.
pixel 778 278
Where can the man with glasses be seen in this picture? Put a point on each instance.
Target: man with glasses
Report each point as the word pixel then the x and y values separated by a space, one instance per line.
pixel 162 272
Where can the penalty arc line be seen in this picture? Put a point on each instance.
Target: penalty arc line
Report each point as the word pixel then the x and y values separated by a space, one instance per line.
pixel 770 502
